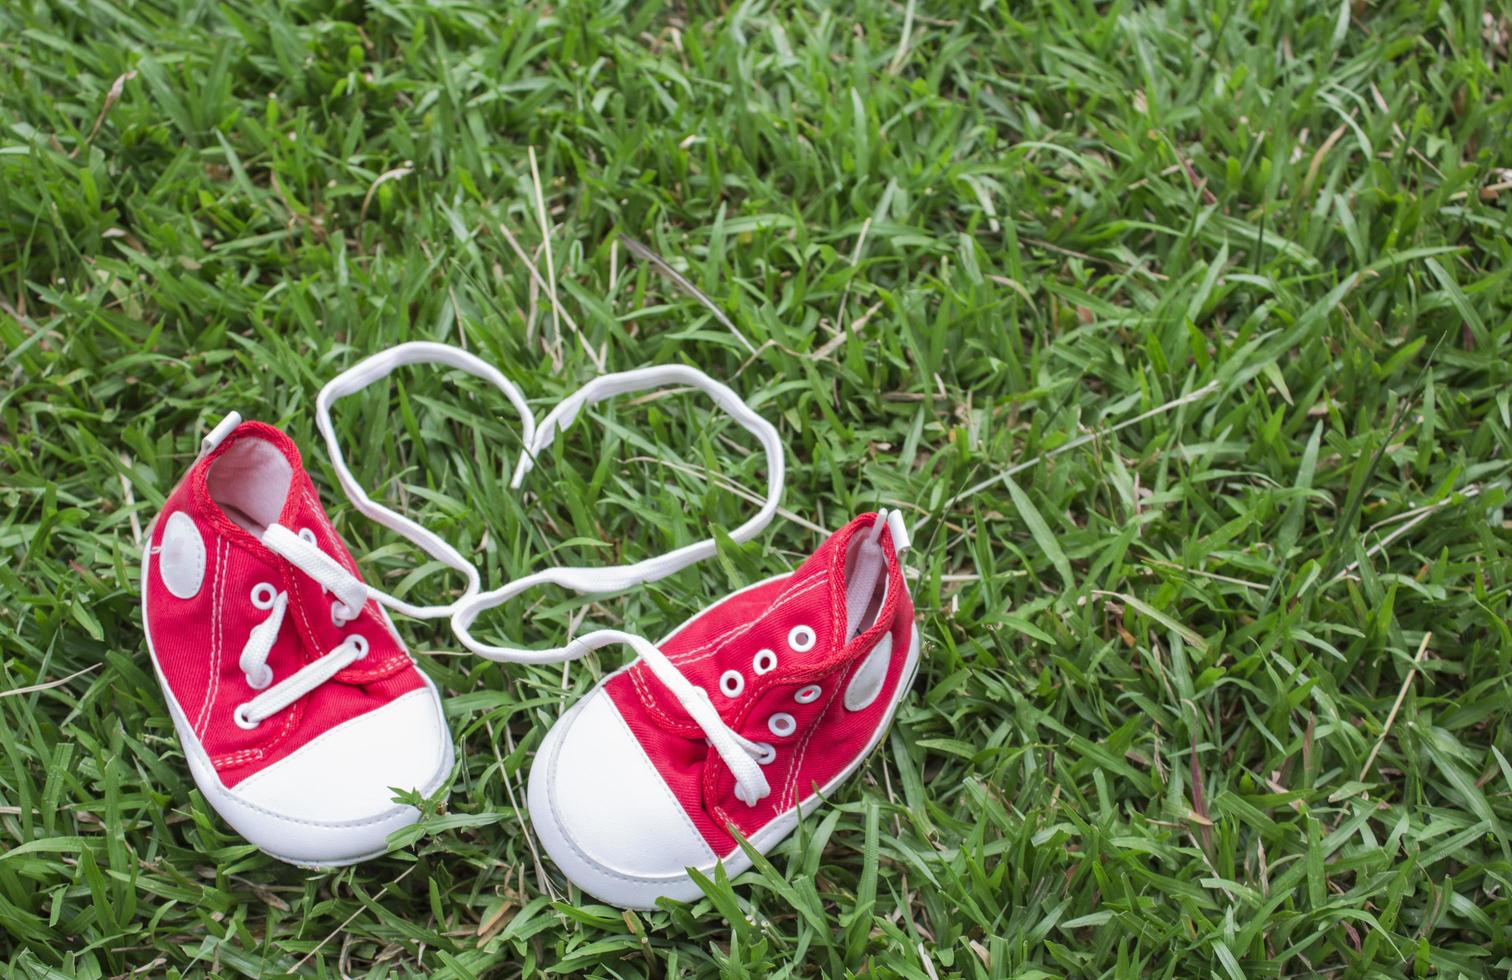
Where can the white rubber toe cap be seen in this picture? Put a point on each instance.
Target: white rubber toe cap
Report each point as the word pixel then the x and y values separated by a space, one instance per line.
pixel 331 802
pixel 606 816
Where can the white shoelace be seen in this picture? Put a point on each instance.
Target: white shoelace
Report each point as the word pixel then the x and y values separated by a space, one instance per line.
pixel 254 656
pixel 738 753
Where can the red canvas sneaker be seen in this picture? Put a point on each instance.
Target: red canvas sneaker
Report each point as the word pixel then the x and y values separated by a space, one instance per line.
pixel 743 718
pixel 298 707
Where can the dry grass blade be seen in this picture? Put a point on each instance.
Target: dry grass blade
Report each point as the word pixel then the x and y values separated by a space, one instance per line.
pixel 1396 705
pixel 1413 518
pixel 378 182
pixel 535 277
pixel 551 290
pixel 111 98
pixel 1076 443
pixel 34 688
pixel 660 264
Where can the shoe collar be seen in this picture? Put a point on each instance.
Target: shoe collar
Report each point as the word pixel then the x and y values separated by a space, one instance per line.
pixel 291 513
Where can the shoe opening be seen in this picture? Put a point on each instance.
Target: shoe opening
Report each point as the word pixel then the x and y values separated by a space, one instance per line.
pixel 250 482
pixel 865 579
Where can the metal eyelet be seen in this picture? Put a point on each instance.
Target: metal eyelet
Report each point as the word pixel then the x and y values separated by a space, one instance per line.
pixel 263 678
pixel 264 595
pixel 768 753
pixel 765 662
pixel 782 724
pixel 808 694
pixel 341 615
pixel 308 536
pixel 242 721
pixel 802 638
pixel 359 643
pixel 731 683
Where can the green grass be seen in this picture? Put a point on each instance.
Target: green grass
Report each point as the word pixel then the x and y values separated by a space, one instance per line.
pixel 1222 692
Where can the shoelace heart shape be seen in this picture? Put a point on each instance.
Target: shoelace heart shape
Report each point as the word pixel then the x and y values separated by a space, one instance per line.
pixel 740 754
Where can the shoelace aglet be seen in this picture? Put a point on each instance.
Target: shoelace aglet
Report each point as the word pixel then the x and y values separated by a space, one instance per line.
pixel 218 434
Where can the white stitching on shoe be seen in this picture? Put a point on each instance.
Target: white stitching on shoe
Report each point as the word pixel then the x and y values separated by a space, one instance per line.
pixel 687 656
pixel 790 790
pixel 199 719
pixel 682 658
pixel 236 758
pixel 300 615
pixel 810 585
pixel 217 591
pixel 712 647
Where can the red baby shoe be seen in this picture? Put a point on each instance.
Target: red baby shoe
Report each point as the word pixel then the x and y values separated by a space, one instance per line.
pixel 743 718
pixel 298 707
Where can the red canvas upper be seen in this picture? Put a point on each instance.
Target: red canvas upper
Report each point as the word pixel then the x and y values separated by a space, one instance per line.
pixel 827 737
pixel 196 641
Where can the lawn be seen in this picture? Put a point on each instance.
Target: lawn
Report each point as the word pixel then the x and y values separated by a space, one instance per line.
pixel 1181 333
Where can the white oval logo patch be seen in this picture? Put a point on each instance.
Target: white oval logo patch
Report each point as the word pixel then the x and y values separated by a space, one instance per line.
pixel 866 682
pixel 181 560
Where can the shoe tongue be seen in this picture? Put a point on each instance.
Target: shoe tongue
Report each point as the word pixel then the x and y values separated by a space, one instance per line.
pixel 257 479
pixel 253 477
pixel 864 568
pixel 852 566
pixel 835 594
pixel 855 565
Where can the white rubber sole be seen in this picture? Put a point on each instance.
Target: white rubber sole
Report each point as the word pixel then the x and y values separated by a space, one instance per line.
pixel 305 843
pixel 641 891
